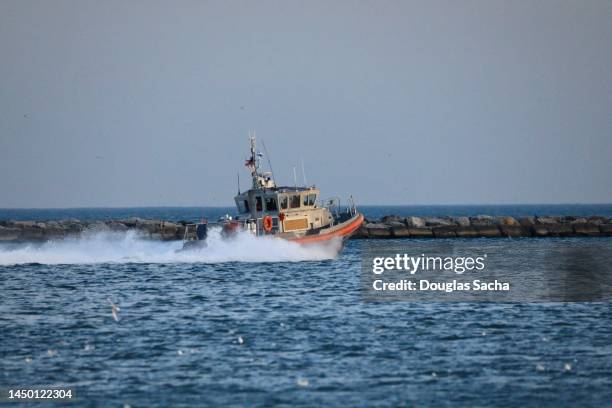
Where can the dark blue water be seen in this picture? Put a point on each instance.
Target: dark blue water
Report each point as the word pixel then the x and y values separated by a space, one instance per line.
pixel 213 330
pixel 371 212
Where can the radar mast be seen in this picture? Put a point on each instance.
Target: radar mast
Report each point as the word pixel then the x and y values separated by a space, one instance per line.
pixel 260 180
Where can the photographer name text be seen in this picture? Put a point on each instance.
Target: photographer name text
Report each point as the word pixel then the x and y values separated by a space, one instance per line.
pixel 413 264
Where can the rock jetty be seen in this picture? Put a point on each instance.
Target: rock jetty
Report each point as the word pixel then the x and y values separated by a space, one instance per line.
pixel 485 226
pixel 390 226
pixel 50 230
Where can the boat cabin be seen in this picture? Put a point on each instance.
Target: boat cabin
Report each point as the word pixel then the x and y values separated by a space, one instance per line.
pixel 292 209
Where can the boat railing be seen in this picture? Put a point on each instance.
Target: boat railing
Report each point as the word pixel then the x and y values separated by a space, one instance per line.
pixel 190 232
pixel 334 205
pixel 352 208
pixel 196 231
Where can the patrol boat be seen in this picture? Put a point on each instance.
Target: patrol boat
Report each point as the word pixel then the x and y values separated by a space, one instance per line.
pixel 293 213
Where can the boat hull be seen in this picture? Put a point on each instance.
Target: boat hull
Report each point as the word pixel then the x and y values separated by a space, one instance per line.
pixel 340 231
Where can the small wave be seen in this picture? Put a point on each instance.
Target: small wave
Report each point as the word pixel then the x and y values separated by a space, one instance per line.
pixel 129 247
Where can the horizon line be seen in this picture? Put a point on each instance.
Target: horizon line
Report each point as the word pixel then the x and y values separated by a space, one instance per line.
pixel 361 205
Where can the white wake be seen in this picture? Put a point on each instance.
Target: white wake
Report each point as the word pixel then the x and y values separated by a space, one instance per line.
pixel 129 247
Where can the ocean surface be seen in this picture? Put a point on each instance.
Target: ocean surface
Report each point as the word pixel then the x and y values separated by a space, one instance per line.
pixel 256 322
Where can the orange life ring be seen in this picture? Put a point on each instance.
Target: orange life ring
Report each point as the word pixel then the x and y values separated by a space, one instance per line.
pixel 267 223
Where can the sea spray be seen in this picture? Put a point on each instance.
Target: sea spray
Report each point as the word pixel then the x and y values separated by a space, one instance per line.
pixel 130 247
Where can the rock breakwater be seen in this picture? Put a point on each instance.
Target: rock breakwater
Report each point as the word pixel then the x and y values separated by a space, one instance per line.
pixel 485 226
pixel 49 230
pixel 390 226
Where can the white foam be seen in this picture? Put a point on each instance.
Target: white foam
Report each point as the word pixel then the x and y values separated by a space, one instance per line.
pixel 129 247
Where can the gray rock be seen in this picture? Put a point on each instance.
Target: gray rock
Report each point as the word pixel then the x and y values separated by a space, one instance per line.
pixel 463 221
pixel 514 231
pixel 467 232
pixel 72 227
pixel 25 224
pixel 34 233
pixel 420 232
pixel 415 222
pixel 54 230
pixel 129 222
pixel 150 222
pixel 540 230
pixel 169 229
pixel 151 226
pixel 387 219
pixel 553 230
pixel 378 230
pixel 606 229
pixel 588 230
pixel 96 226
pixel 481 221
pixel 560 230
pixel 578 220
pixel 400 231
pixel 360 233
pixel 445 231
pixel 488 231
pixel 527 221
pixel 117 226
pixel 9 233
pixel 547 220
pixel 597 220
pixel 438 222
pixel 508 221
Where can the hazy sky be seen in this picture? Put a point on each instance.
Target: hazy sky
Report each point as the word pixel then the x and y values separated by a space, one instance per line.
pixel 147 103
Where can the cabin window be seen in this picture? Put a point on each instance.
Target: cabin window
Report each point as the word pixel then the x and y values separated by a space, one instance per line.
pixel 243 206
pixel 295 201
pixel 312 198
pixel 258 205
pixel 309 200
pixel 283 202
pixel 271 204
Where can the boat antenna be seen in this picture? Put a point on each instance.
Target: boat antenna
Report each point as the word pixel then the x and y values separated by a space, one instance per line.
pixel 268 158
pixel 294 178
pixel 303 172
pixel 252 163
pixel 238 174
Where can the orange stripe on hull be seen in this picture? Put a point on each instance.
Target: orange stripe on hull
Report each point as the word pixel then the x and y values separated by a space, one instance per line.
pixel 345 231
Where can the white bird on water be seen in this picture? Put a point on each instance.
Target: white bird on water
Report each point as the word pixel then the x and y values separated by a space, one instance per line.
pixel 114 310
